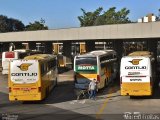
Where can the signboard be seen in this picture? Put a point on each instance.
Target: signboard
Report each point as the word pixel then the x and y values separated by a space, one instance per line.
pixel 24 71
pixel 86 68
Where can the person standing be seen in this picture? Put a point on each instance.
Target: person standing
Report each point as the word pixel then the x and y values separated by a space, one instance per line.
pixel 92 89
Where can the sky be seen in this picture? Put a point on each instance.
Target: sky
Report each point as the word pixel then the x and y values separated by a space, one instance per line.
pixel 63 13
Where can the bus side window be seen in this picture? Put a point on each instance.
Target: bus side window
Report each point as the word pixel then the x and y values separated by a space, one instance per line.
pixel 102 65
pixel 42 69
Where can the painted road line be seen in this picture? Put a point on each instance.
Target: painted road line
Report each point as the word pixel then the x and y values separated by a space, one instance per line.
pixel 98 114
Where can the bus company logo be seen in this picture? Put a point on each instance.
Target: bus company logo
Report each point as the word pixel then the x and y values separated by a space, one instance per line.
pixel 135 61
pixel 24 66
pixel 86 68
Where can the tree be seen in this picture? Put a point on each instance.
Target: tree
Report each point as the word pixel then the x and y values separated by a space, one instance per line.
pixel 17 25
pixel 10 24
pixel 158 17
pixel 37 25
pixel 108 17
pixel 4 24
pixel 113 17
pixel 89 18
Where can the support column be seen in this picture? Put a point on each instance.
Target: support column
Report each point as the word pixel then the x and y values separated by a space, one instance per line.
pixel 118 47
pixel 67 48
pixel 32 45
pixel 90 46
pixel 48 47
pixel 67 54
pixel 152 46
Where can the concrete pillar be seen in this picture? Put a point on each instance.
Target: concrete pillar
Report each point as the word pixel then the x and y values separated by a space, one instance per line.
pixel 48 47
pixel 67 53
pixel 90 46
pixel 32 45
pixel 118 47
pixel 25 45
pixel 152 46
pixel 67 48
pixel 11 46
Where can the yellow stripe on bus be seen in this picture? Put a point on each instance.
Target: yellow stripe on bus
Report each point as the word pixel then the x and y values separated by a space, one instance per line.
pixel 86 75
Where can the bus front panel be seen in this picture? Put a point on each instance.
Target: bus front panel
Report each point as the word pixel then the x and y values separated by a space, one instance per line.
pixel 136 77
pixel 24 82
pixel 85 71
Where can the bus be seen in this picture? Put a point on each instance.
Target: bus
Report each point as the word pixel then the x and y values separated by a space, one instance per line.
pixel 137 74
pixel 12 55
pixel 100 65
pixel 32 78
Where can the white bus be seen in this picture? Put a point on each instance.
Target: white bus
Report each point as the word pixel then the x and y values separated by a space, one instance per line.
pixel 137 74
pixel 100 65
pixel 13 55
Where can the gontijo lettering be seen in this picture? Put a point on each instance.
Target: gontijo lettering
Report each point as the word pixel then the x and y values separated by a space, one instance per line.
pixel 136 67
pixel 24 74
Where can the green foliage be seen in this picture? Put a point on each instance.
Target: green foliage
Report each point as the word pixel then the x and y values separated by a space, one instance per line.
pixel 158 17
pixel 111 16
pixel 10 24
pixel 89 18
pixel 37 25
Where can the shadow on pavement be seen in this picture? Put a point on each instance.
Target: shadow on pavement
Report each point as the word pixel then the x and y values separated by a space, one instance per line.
pixel 62 93
pixel 62 70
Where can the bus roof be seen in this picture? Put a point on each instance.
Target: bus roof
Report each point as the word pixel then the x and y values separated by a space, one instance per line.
pixel 39 56
pixel 97 53
pixel 86 55
pixel 22 50
pixel 141 53
pixel 101 52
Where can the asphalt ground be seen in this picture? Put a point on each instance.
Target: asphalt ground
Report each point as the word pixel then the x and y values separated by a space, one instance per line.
pixel 62 104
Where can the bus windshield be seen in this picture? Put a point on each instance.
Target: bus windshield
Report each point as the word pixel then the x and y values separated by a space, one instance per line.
pixel 86 65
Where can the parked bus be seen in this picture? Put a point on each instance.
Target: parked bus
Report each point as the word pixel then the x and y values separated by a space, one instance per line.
pixel 12 55
pixel 100 65
pixel 137 74
pixel 32 78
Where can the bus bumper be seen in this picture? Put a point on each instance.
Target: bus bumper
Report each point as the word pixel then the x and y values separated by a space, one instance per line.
pixel 30 97
pixel 81 86
pixel 136 93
